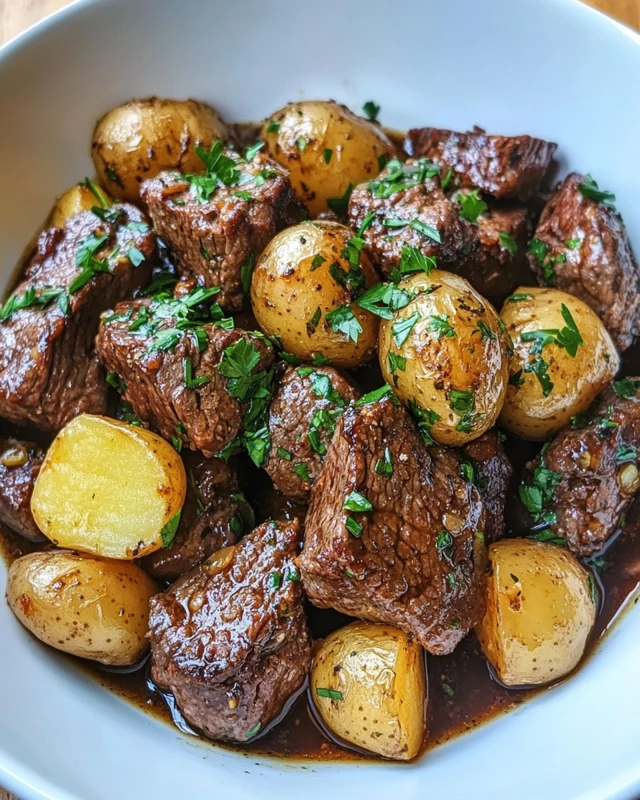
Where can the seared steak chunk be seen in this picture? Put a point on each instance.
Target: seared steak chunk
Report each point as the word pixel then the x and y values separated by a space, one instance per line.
pixel 215 514
pixel 503 166
pixel 499 263
pixel 391 532
pixel 587 477
pixel 49 372
pixel 218 223
pixel 410 208
pixel 491 472
pixel 185 375
pixel 581 246
pixel 230 639
pixel 302 419
pixel 20 464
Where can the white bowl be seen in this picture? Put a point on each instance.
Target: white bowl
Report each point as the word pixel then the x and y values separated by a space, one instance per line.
pixel 553 68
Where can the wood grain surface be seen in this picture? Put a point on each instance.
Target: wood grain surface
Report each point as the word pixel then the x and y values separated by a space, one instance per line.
pixel 17 15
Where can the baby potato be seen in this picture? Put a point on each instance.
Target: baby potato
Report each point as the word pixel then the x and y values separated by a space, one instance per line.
pixel 369 686
pixel 80 197
pixel 446 355
pixel 141 138
pixel 109 488
pixel 563 358
pixel 89 607
pixel 540 612
pixel 303 289
pixel 326 148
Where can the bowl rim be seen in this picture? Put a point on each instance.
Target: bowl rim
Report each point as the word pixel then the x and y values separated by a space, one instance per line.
pixel 16 776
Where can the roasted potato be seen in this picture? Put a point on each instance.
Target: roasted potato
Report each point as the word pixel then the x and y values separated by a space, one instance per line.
pixel 109 488
pixel 369 686
pixel 563 358
pixel 446 356
pixel 540 612
pixel 326 149
pixel 141 138
pixel 300 281
pixel 91 607
pixel 80 197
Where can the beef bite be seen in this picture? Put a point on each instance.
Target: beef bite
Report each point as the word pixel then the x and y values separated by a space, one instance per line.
pixel 586 479
pixel 230 639
pixel 49 372
pixel 490 471
pixel 191 378
pixel 405 206
pixel 394 533
pixel 214 515
pixel 301 421
pixel 218 223
pixel 581 246
pixel 506 167
pixel 20 464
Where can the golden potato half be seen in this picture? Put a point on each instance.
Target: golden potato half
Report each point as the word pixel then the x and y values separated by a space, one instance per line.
pixel 109 488
pixel 446 356
pixel 540 612
pixel 368 684
pixel 326 148
pixel 563 358
pixel 80 197
pixel 91 607
pixel 141 138
pixel 302 290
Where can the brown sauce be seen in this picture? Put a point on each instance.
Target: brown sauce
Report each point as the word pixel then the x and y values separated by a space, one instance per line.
pixel 462 692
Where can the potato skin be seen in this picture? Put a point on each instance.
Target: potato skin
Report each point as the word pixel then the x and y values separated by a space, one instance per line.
pixel 527 413
pixel 76 199
pixel 286 291
pixel 378 672
pixel 307 132
pixel 539 612
pixel 108 488
pixel 473 360
pixel 141 138
pixel 90 607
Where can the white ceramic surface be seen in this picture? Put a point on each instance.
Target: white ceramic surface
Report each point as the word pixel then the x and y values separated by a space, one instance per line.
pixel 553 68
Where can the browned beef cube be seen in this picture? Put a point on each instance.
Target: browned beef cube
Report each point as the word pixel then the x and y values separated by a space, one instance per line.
pixel 20 464
pixel 502 166
pixel 213 237
pixel 499 263
pixel 49 372
pixel 581 484
pixel 491 473
pixel 172 369
pixel 392 532
pixel 230 639
pixel 581 246
pixel 410 208
pixel 214 515
pixel 302 419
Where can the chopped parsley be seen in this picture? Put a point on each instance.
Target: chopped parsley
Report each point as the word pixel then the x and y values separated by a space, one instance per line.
pixel 485 331
pixel 302 143
pixel 412 260
pixel 589 189
pixel 540 369
pixel 319 360
pixel 273 126
pixel 357 502
pixel 331 694
pixel 282 453
pixel 516 298
pixel 353 526
pixel 302 471
pixel 88 263
pixel 327 154
pixel 252 151
pixel 371 110
pixel 440 325
pixel 516 379
pixel 32 298
pixel 384 299
pixel 322 387
pixel 444 544
pixel 447 179
pixel 463 403
pixel 312 324
pixel 471 205
pixel 220 170
pixel 401 176
pixel 250 734
pixel 190 381
pixel 384 466
pixel 540 251
pixel 275 580
pixel 508 242
pixel 343 320
pixel 548 536
pixel 402 328
pixel 417 225
pixel 627 387
pixel 246 272
pixel 568 337
pixel 168 532
pixel 317 261
pixel 539 493
pixel 376 395
pixel 425 419
pixel 572 244
pixel 339 205
pixel 626 453
pixel 396 362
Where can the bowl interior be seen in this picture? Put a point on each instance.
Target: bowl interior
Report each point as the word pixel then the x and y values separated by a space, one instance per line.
pixel 552 68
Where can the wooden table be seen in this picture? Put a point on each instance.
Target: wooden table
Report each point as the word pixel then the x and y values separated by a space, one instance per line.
pixel 16 15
